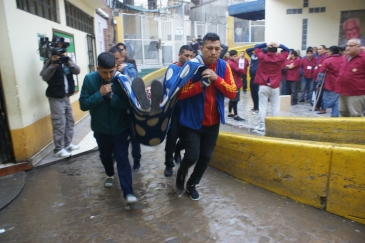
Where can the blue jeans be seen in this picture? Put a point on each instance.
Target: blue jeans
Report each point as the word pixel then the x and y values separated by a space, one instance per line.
pixel 307 88
pixel 330 100
pixel 119 145
pixel 199 146
pixel 283 86
pixel 136 148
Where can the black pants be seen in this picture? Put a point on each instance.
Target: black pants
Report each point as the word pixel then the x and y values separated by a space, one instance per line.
pixel 136 148
pixel 319 99
pixel 254 94
pixel 292 89
pixel 170 145
pixel 199 146
pixel 244 82
pixel 119 144
pixel 232 105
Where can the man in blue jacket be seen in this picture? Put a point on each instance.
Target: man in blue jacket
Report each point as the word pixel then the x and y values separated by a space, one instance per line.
pixel 108 105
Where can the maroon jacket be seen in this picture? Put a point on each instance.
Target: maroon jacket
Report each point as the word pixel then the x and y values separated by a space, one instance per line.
pixel 332 65
pixel 293 74
pixel 318 65
pixel 351 78
pixel 308 66
pixel 236 73
pixel 270 65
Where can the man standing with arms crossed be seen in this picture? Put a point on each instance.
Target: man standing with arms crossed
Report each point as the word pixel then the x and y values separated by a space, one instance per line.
pixel 351 81
pixel 108 105
pixel 185 54
pixel 202 109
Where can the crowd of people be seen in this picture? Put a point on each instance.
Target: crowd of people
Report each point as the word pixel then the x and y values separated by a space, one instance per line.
pixel 327 78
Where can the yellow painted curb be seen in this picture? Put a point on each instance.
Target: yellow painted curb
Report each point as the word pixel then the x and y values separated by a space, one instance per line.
pixel 333 130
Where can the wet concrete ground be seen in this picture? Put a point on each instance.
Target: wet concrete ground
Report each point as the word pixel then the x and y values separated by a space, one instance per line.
pixel 67 202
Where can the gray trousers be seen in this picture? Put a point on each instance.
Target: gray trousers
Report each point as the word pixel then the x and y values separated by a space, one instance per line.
pixel 62 122
pixel 351 106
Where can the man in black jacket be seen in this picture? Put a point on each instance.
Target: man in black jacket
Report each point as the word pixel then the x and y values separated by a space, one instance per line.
pixel 58 72
pixel 254 87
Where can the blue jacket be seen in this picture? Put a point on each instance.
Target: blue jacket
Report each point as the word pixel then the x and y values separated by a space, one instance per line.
pixel 192 109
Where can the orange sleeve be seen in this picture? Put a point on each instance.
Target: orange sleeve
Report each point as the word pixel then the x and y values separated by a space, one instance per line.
pixel 190 89
pixel 227 85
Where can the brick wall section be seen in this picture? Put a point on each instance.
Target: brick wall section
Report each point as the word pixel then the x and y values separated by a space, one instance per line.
pixel 108 33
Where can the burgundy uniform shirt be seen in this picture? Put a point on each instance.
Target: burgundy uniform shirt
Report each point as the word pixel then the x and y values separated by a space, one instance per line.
pixel 332 66
pixel 308 66
pixel 351 78
pixel 269 68
pixel 293 74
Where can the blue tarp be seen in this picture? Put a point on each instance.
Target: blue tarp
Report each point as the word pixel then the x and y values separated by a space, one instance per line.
pixel 254 10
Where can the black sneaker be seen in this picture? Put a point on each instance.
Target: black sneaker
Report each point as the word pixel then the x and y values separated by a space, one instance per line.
pixel 139 90
pixel 156 95
pixel 168 171
pixel 237 118
pixel 191 190
pixel 180 183
pixel 230 115
pixel 136 165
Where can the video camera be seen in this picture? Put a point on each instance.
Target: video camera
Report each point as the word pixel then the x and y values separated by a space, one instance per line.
pixel 57 47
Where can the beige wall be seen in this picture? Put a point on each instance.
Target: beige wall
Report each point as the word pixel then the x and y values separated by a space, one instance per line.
pixel 20 65
pixel 323 28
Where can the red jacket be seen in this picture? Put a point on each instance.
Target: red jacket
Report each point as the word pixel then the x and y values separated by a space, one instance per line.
pixel 318 65
pixel 270 65
pixel 225 85
pixel 351 78
pixel 236 73
pixel 308 66
pixel 293 74
pixel 332 65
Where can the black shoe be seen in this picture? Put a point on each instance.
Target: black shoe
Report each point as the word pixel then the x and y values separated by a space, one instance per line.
pixel 139 90
pixel 230 115
pixel 180 183
pixel 237 118
pixel 177 157
pixel 191 190
pixel 136 165
pixel 156 95
pixel 168 171
pixel 301 101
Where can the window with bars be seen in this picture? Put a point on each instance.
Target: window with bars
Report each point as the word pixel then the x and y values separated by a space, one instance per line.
pixel 294 11
pixel 305 3
pixel 317 10
pixel 304 34
pixel 43 8
pixel 78 19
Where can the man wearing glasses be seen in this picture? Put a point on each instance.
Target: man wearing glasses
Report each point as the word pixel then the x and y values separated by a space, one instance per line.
pixel 351 81
pixel 351 30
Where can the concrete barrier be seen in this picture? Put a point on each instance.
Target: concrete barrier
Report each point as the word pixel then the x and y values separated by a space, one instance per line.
pixel 334 130
pixel 322 175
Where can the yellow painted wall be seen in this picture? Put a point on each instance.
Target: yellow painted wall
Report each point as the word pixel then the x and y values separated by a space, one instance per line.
pixel 119 36
pixel 31 139
pixel 323 175
pixel 334 130
pixel 24 90
pixel 346 192
pixel 290 168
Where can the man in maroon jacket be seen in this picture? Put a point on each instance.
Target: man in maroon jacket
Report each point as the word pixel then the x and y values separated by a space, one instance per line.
pixel 292 76
pixel 307 64
pixel 351 81
pixel 268 76
pixel 329 70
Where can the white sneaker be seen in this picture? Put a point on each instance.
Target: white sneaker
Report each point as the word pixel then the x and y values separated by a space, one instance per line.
pixel 62 153
pixel 260 128
pixel 72 147
pixel 130 198
pixel 109 181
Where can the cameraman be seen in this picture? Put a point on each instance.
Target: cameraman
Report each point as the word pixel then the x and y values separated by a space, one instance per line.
pixel 58 73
